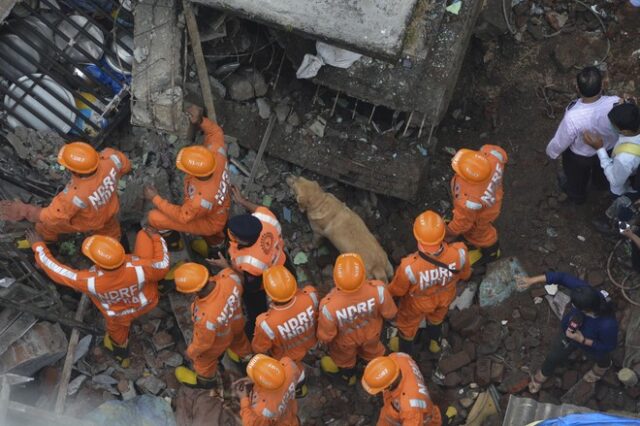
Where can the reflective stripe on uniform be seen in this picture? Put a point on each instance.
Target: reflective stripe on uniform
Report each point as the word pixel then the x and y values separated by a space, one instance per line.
pixel 58 269
pixel 326 313
pixel 417 403
pixel 116 161
pixel 235 277
pixel 250 260
pixel 410 276
pixel 381 294
pixel 269 219
pixel 498 155
pixel 268 331
pixel 205 204
pixel 314 298
pixel 267 413
pixel 78 202
pixel 463 257
pixel 141 282
pixel 222 152
pixel 210 325
pixel 164 263
pixel 471 205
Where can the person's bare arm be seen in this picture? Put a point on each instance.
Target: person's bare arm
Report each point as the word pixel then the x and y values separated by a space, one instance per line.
pixel 526 282
pixel 239 199
pixel 632 236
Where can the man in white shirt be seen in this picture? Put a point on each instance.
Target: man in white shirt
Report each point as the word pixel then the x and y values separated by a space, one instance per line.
pixel 587 114
pixel 622 166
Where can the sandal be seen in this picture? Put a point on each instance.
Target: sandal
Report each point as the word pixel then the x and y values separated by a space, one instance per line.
pixel 537 380
pixel 595 374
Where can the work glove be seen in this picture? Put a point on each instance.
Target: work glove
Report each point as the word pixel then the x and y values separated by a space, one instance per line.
pixel 15 211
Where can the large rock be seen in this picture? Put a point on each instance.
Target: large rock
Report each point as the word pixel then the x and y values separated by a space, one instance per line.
pixel 454 362
pixel 246 84
pixel 499 282
pixel 43 345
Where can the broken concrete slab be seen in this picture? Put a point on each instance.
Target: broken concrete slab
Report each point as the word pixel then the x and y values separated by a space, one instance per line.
pixel 499 281
pixel 454 362
pixel 42 345
pixel 151 384
pixel 376 27
pixel 156 92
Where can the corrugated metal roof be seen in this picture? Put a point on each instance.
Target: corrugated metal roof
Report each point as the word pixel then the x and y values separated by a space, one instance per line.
pixel 522 411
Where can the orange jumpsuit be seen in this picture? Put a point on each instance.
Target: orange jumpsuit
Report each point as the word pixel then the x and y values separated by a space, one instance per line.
pixel 206 205
pixel 218 324
pixel 409 404
pixel 351 322
pixel 427 290
pixel 476 206
pixel 277 407
pixel 87 204
pixel 267 251
pixel 121 294
pixel 288 330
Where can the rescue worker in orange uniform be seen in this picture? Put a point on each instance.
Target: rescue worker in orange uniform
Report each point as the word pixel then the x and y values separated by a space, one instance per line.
pixel 272 401
pixel 206 205
pixel 122 286
pixel 477 194
pixel 218 322
pixel 89 203
pixel 404 392
pixel 351 317
pixel 255 244
pixel 426 282
pixel 288 328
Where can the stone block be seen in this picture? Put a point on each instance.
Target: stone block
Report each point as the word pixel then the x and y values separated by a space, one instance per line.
pixel 151 384
pixel 514 383
pixel 43 345
pixel 454 362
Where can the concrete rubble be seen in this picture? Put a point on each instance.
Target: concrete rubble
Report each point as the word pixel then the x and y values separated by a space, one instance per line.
pixel 42 345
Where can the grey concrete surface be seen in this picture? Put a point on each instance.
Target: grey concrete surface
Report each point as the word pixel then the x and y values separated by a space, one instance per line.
pixel 374 27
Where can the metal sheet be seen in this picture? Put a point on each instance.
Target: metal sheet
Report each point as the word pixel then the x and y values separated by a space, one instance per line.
pixel 522 411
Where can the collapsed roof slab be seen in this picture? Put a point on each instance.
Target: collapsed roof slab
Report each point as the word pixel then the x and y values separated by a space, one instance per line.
pixel 373 27
pixel 423 84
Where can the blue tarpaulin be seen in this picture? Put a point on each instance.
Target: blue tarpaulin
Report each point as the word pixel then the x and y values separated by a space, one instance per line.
pixel 590 419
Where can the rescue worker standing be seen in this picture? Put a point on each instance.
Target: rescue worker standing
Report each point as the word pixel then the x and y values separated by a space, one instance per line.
pixel 288 328
pixel 351 317
pixel 218 322
pixel 272 400
pixel 122 286
pixel 406 398
pixel 206 205
pixel 255 244
pixel 89 203
pixel 426 281
pixel 477 194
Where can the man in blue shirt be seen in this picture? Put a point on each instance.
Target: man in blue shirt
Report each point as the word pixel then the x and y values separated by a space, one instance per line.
pixel 590 325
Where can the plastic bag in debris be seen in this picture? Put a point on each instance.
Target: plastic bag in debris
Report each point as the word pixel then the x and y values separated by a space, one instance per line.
pixel 143 410
pixel 589 419
pixel 499 281
pixel 326 55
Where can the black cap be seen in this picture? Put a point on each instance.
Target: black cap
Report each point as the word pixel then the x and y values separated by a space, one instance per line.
pixel 625 116
pixel 245 227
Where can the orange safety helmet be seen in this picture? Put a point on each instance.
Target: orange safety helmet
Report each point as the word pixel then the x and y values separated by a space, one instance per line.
pixel 471 166
pixel 266 372
pixel 196 161
pixel 429 230
pixel 349 272
pixel 279 283
pixel 106 252
pixel 79 157
pixel 191 277
pixel 379 374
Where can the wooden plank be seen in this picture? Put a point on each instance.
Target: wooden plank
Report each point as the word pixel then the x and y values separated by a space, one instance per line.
pixel 261 148
pixel 68 362
pixel 198 55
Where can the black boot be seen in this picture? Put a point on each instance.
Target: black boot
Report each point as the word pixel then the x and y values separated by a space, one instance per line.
pixel 434 335
pixel 173 240
pixel 406 346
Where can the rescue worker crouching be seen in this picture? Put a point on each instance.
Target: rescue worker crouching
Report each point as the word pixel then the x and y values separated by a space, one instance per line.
pixel 477 194
pixel 271 401
pixel 122 286
pixel 89 203
pixel 426 282
pixel 405 395
pixel 218 323
pixel 255 244
pixel 206 204
pixel 351 318
pixel 288 328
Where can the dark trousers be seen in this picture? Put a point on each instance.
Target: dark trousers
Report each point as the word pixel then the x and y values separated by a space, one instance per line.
pixel 255 298
pixel 559 353
pixel 579 171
